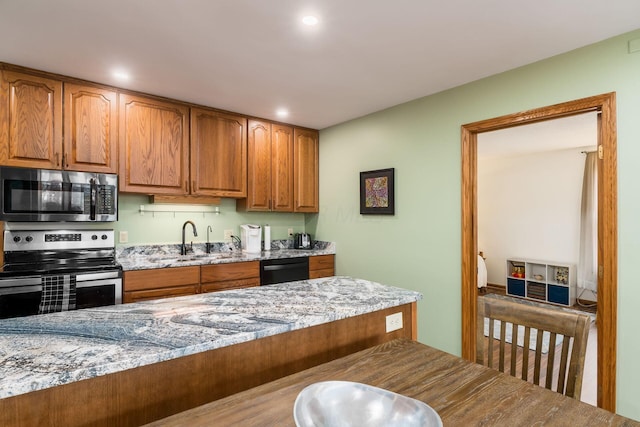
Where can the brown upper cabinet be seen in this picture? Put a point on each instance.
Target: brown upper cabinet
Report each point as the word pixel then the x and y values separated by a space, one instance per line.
pixel 218 154
pixel 32 124
pixel 30 121
pixel 176 151
pixel 305 170
pixel 90 129
pixel 154 146
pixel 270 175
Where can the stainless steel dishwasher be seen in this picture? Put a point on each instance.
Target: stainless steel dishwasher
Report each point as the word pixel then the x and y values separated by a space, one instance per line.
pixel 281 270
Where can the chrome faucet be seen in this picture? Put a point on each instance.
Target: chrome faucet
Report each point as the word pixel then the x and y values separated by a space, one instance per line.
pixel 183 248
pixel 208 246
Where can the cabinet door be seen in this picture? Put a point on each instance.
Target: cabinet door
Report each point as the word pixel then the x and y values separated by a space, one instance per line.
pixel 305 170
pixel 281 168
pixel 158 278
pixel 154 146
pixel 321 266
pixel 30 121
pixel 219 277
pixel 258 167
pixel 90 125
pixel 144 295
pixel 218 154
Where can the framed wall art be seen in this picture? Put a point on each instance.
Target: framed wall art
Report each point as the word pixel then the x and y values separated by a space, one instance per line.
pixel 377 192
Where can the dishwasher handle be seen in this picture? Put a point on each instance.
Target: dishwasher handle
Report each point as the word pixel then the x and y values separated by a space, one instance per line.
pixel 276 267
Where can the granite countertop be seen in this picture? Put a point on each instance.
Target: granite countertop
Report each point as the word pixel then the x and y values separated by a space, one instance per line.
pixel 166 256
pixel 42 351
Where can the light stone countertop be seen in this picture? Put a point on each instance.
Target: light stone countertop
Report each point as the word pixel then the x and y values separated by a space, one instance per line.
pixel 48 350
pixel 167 256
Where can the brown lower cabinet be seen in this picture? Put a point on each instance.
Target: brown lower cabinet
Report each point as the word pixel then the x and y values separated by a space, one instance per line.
pixel 321 266
pixel 219 277
pixel 140 285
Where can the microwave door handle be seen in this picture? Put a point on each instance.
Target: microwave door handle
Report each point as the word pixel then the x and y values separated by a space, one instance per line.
pixel 92 207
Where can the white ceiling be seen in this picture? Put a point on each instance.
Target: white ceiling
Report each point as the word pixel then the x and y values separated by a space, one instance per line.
pixel 574 132
pixel 254 56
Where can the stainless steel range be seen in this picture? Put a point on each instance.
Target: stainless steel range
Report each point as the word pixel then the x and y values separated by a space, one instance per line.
pixel 47 271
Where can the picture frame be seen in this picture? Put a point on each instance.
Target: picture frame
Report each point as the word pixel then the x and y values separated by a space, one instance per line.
pixel 377 192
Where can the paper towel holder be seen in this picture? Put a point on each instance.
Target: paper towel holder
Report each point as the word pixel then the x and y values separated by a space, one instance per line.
pixel 267 237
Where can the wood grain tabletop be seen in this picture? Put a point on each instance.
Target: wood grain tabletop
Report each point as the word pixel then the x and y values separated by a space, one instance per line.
pixel 462 392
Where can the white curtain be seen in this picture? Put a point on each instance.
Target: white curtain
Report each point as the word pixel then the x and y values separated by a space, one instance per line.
pixel 588 260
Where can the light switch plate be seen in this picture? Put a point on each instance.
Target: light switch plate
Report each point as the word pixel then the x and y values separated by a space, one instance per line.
pixel 394 322
pixel 289 231
pixel 123 237
pixel 227 234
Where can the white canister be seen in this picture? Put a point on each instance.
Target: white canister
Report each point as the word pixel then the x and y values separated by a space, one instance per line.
pixel 267 237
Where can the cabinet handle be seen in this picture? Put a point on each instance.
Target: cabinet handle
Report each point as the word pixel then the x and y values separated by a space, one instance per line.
pixel 65 160
pixel 57 159
pixel 269 204
pixel 186 186
pixel 193 186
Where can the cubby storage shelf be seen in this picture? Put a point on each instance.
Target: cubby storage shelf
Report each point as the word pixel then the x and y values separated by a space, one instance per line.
pixel 542 281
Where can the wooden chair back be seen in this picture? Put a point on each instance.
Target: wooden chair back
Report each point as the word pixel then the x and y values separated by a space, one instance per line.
pixel 567 370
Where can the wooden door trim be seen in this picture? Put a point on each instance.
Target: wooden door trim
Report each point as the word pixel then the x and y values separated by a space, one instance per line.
pixel 605 104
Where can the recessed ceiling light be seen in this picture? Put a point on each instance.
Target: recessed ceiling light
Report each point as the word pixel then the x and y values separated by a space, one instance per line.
pixel 121 75
pixel 310 20
pixel 282 112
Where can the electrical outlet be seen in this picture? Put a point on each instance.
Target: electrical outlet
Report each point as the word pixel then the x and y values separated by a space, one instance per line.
pixel 289 231
pixel 227 234
pixel 394 322
pixel 123 237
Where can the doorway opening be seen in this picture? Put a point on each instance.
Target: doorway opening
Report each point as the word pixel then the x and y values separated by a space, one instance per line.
pixel 604 106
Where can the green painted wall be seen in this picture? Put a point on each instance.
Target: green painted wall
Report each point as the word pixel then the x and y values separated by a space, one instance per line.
pixel 419 248
pixel 166 227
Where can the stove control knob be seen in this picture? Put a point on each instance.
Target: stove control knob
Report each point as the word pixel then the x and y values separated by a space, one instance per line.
pixel 16 239
pixel 94 237
pixel 104 237
pixel 29 239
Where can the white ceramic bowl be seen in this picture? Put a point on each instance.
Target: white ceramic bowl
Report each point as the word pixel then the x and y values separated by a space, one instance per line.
pixel 346 404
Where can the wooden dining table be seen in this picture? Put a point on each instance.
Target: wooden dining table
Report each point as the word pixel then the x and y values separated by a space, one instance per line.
pixel 461 392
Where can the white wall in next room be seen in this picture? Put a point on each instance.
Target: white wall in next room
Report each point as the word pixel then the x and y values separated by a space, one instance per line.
pixel 529 207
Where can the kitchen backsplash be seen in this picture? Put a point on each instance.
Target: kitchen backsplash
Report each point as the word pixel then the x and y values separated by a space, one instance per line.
pixel 166 227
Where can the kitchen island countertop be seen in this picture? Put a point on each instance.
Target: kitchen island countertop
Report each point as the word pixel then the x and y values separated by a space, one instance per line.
pixel 38 352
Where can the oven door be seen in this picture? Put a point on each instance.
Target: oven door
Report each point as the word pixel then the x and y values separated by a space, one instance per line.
pixel 98 289
pixel 22 296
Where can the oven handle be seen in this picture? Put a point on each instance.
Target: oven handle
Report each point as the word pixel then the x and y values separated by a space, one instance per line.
pixel 94 283
pixel 81 279
pixel 98 276
pixel 20 289
pixel 93 201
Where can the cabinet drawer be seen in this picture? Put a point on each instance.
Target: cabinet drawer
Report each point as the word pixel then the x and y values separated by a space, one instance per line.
pixel 229 284
pixel 160 278
pixel 515 287
pixel 321 262
pixel 232 271
pixel 135 296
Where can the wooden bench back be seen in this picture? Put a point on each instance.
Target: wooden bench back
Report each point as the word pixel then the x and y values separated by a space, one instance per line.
pixel 570 364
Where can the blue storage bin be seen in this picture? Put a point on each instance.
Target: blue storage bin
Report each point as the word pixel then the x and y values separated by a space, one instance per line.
pixel 515 287
pixel 559 294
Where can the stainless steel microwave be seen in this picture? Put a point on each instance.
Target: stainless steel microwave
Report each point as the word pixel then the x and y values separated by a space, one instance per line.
pixel 32 195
